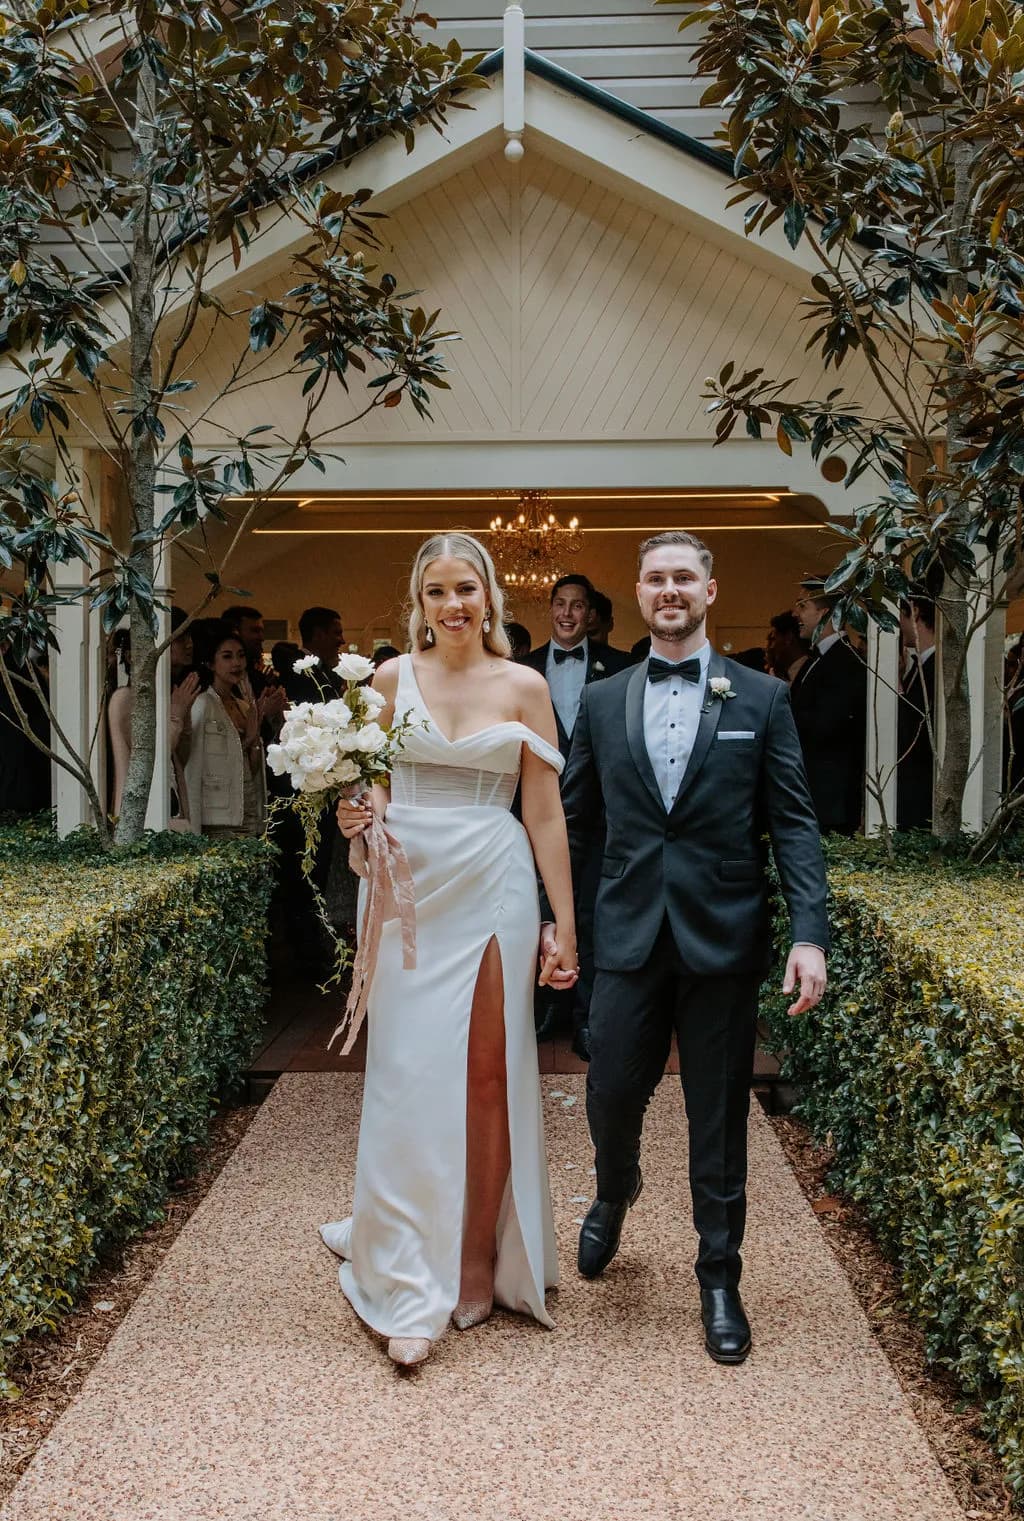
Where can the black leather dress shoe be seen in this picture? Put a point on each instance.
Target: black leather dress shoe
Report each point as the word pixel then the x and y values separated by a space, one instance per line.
pixel 581 1042
pixel 600 1232
pixel 726 1327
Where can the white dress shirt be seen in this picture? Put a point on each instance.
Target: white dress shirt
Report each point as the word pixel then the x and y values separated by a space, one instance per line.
pixel 566 680
pixel 671 716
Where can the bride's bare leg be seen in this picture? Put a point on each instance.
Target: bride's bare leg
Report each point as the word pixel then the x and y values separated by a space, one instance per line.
pixel 488 1156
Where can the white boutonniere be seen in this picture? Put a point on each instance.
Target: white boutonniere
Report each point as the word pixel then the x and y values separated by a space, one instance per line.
pixel 597 666
pixel 721 687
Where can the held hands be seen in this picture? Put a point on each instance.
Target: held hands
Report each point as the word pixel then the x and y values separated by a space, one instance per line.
pixel 559 964
pixel 355 815
pixel 806 966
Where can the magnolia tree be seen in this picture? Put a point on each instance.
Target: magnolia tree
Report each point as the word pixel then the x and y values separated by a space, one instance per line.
pixel 912 205
pixel 142 154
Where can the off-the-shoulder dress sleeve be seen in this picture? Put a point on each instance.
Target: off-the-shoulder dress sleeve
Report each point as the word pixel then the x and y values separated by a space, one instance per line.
pixel 543 750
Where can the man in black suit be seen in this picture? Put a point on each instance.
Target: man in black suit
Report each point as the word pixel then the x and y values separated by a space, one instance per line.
pixel 830 696
pixel 915 720
pixel 600 625
pixel 570 662
pixel 322 635
pixel 693 759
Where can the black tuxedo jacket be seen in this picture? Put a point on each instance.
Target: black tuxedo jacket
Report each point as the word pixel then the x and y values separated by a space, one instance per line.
pixel 702 861
pixel 829 697
pixel 914 772
pixel 602 661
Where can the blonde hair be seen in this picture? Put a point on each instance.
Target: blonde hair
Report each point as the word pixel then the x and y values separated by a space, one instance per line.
pixel 460 546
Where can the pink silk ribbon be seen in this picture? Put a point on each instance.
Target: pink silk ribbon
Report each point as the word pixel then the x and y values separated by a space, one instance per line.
pixel 378 856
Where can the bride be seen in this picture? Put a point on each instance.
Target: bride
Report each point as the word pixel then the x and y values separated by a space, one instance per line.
pixel 451 1208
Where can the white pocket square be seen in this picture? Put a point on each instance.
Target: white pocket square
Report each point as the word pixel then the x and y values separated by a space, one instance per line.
pixel 737 734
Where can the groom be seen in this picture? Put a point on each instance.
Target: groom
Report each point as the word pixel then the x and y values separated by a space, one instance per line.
pixel 692 759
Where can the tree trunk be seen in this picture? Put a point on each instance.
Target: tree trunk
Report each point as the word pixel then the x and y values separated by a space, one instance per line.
pixel 141 464
pixel 954 763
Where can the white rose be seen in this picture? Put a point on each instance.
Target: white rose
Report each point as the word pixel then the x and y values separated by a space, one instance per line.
pixel 375 701
pixel 277 760
pixel 343 772
pixel 354 667
pixel 370 739
pixel 336 713
pixel 305 663
pixel 313 781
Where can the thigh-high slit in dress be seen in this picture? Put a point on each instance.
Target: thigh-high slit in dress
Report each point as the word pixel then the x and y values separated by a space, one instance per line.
pixel 475 881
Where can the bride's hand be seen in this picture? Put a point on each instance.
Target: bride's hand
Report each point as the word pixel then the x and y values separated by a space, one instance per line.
pixel 355 815
pixel 559 964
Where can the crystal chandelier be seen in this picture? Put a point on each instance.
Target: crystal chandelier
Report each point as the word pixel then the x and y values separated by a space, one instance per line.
pixel 530 548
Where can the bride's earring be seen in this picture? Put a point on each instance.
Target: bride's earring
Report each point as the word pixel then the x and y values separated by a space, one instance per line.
pixel 429 639
pixel 487 624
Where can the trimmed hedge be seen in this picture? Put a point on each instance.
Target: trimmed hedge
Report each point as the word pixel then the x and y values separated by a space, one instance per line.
pixel 131 993
pixel 913 1066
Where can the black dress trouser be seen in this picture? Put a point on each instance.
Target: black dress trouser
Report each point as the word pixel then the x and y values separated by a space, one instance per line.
pixel 632 1016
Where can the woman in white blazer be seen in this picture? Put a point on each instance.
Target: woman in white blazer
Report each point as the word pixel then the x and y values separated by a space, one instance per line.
pixel 224 774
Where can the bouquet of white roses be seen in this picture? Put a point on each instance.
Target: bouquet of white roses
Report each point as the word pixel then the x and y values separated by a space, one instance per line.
pixel 332 749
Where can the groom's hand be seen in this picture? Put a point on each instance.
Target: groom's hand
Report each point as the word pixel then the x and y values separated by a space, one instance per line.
pixel 806 966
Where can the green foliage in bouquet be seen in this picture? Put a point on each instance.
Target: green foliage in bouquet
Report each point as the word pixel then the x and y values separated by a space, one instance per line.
pixel 913 1067
pixel 131 997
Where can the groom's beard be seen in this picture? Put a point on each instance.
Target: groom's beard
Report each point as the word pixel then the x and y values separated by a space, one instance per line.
pixel 678 629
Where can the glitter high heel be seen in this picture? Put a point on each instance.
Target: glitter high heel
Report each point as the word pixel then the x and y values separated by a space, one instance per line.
pixel 407 1351
pixel 472 1312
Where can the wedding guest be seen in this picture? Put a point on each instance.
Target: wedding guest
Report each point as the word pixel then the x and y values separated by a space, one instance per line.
pixel 567 661
pixel 570 663
pixel 786 650
pixel 915 721
pixel 322 635
pixel 384 652
pixel 519 639
pixel 602 622
pixel 283 656
pixel 247 622
pixel 829 697
pixel 753 659
pixel 224 774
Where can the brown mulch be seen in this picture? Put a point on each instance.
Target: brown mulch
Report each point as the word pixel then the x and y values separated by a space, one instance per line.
pixel 50 1369
pixel 949 1419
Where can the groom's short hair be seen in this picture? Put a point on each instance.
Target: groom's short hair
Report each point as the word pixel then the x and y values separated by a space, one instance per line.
pixel 681 537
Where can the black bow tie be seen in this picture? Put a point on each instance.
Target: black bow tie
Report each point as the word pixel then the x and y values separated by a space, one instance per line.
pixel 578 653
pixel 660 670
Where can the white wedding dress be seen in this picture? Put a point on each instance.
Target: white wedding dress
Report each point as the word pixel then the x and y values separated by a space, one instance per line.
pixel 475 881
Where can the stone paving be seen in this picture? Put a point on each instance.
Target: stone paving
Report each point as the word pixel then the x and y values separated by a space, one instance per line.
pixel 242 1386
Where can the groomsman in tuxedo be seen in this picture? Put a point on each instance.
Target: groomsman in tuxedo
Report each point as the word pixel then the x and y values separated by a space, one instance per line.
pixel 830 697
pixel 692 759
pixel 570 662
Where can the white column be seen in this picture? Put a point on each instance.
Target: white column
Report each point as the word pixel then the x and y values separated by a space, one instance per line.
pixel 882 748
pixel 76 671
pixel 985 676
pixel 513 80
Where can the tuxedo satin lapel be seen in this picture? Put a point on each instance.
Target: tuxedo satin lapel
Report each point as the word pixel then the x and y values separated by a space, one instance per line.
pixel 635 731
pixel 710 713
